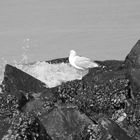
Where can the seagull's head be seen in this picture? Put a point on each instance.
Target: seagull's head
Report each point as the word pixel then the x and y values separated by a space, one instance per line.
pixel 72 53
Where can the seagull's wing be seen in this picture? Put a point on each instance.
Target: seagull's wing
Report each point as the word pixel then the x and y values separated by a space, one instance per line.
pixel 81 58
pixel 83 62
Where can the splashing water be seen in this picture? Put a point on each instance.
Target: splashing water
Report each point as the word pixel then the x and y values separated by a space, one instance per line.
pixel 2 67
pixel 25 47
pixel 53 74
pixel 24 58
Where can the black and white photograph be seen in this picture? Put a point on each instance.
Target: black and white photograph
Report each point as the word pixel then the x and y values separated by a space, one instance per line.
pixel 69 69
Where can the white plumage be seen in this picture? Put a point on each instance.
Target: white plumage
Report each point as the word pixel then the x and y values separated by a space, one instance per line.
pixel 80 62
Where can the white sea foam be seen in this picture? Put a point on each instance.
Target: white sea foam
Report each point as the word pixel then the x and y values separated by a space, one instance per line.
pixel 52 74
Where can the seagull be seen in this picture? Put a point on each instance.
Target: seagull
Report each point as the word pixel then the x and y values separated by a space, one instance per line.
pixel 80 62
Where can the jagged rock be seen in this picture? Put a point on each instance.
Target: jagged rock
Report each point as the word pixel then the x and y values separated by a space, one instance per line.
pixel 8 106
pixel 15 79
pixel 26 127
pixel 134 76
pixel 111 129
pixel 132 63
pixel 110 64
pixel 65 122
pixel 133 58
pixel 59 60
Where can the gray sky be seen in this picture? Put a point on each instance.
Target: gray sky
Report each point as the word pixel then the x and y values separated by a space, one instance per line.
pixel 99 29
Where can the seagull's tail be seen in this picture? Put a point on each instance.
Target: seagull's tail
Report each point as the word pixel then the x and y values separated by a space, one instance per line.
pixel 92 65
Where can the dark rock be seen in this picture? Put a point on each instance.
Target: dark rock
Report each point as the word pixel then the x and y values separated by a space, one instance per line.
pixel 21 84
pixel 59 60
pixel 134 76
pixel 62 121
pixel 54 61
pixel 110 64
pixel 132 63
pixel 133 58
pixel 8 106
pixel 65 122
pixel 113 130
pixel 15 79
pixel 95 93
pixel 26 127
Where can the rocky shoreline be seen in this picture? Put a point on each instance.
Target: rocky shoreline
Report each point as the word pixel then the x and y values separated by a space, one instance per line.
pixel 103 105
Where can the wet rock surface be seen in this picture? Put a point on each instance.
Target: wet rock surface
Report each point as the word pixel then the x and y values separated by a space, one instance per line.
pixel 103 105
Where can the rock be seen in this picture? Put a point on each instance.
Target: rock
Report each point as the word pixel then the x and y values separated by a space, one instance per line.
pixel 21 84
pixel 65 122
pixel 133 58
pixel 134 76
pixel 26 127
pixel 59 60
pixel 15 79
pixel 8 106
pixel 113 130
pixel 110 64
pixel 132 64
